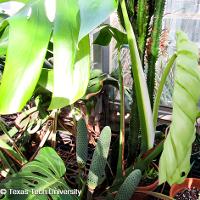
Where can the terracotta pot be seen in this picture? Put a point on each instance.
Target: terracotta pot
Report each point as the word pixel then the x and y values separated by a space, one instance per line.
pixel 188 183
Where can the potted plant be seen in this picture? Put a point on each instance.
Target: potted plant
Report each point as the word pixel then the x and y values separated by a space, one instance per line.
pixel 70 40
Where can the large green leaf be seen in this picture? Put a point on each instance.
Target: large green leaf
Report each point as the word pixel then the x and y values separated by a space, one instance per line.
pixel 175 159
pixel 72 22
pixel 29 34
pixel 93 13
pixel 65 37
pixel 43 174
pixel 71 57
pixel 71 60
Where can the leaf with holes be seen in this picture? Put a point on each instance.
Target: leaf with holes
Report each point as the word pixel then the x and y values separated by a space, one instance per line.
pixel 175 159
pixel 42 174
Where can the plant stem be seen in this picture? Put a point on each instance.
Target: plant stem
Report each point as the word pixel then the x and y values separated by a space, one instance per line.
pixel 6 163
pixel 160 88
pixel 4 129
pixel 54 131
pixel 120 164
pixel 142 164
pixel 144 107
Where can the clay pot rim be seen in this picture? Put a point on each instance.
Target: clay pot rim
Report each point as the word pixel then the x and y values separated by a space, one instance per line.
pixel 175 188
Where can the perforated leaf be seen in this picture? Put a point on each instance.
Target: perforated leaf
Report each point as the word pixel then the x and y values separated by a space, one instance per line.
pixel 175 159
pixel 43 174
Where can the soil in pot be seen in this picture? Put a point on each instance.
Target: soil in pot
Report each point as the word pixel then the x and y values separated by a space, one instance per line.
pixel 188 194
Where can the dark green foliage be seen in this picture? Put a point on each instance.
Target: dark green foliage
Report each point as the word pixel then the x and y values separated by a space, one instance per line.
pixel 154 47
pixel 99 159
pixel 129 186
pixel 43 173
pixel 81 143
pixel 107 33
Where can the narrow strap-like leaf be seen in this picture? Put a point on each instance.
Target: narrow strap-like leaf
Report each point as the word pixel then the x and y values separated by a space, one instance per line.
pixel 144 108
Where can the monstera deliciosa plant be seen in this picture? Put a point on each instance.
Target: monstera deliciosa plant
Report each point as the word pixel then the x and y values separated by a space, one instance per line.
pixel 39 22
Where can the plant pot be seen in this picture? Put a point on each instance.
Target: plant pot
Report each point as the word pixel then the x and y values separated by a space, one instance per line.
pixel 188 183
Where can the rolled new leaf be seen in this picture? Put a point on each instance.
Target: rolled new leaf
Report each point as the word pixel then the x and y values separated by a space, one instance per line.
pixel 175 159
pixel 99 159
pixel 81 143
pixel 129 186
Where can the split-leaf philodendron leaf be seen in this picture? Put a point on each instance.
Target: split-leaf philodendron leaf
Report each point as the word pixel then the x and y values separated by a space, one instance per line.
pixel 30 30
pixel 175 159
pixel 43 174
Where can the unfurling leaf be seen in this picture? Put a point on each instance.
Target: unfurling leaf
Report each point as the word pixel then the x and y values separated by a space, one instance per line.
pixel 175 159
